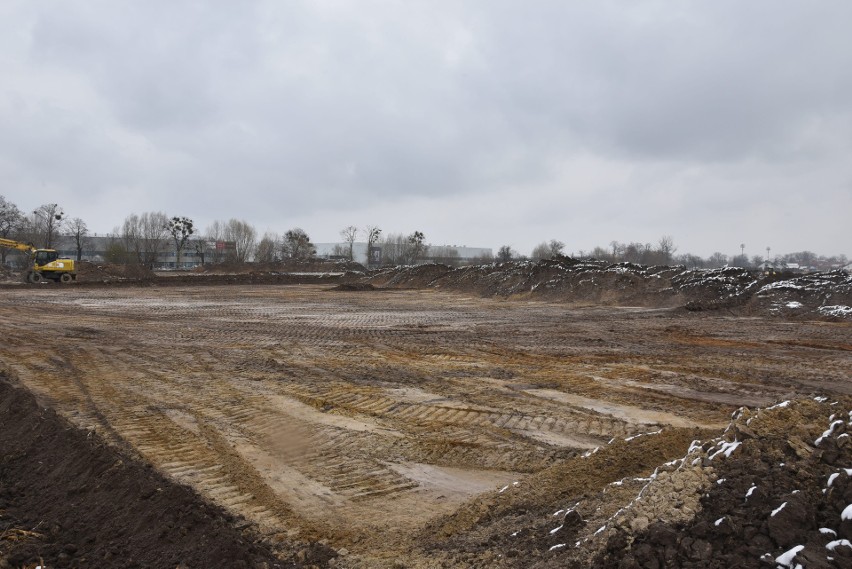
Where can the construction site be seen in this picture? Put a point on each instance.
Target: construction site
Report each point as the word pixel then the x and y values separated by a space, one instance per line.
pixel 563 413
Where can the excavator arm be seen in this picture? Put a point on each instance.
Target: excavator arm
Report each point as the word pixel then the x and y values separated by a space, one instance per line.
pixel 26 247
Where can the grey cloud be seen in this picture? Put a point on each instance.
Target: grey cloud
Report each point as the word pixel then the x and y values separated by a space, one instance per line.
pixel 274 111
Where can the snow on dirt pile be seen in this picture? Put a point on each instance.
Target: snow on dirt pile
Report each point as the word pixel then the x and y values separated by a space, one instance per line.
pixel 708 289
pixel 626 284
pixel 828 294
pixel 773 490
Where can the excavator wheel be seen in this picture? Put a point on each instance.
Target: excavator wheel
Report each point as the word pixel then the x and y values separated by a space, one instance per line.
pixel 34 277
pixel 65 277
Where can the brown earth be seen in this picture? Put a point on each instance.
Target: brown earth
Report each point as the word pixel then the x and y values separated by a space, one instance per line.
pixel 68 498
pixel 385 423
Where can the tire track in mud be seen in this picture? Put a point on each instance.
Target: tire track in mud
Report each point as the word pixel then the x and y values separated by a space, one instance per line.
pixel 194 456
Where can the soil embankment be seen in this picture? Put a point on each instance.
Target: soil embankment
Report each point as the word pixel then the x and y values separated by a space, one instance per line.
pixel 69 500
pixel 590 282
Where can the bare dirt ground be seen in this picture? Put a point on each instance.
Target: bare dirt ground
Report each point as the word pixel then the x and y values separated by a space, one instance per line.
pixel 374 421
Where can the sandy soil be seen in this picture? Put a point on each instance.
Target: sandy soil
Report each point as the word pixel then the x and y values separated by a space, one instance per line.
pixel 360 418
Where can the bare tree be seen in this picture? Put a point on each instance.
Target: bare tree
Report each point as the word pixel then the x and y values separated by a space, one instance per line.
pixel 47 221
pixel 505 254
pixel 340 251
pixel 145 236
pixel 267 249
pixel 415 240
pixel 297 244
pixel 181 229
pixel 11 221
pixel 243 235
pixel 396 249
pixel 216 236
pixel 666 249
pixel 202 248
pixel 547 250
pixel 349 234
pixel 78 230
pixel 373 234
pixel 717 260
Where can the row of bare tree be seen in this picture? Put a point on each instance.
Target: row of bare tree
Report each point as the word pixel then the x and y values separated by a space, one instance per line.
pixel 143 238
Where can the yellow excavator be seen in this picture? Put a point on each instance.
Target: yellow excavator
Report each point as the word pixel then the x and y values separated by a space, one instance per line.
pixel 45 264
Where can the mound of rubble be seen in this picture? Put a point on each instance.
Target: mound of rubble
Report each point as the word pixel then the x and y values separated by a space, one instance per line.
pixel 597 282
pixel 774 490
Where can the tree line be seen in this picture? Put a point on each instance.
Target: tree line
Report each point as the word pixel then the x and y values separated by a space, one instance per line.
pixel 143 238
pixel 664 253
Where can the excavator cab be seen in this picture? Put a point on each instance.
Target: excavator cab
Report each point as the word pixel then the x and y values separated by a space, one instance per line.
pixel 45 256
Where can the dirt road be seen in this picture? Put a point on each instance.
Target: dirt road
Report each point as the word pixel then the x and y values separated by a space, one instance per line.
pixel 358 417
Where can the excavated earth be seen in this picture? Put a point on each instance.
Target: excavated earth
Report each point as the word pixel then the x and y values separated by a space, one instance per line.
pixel 409 419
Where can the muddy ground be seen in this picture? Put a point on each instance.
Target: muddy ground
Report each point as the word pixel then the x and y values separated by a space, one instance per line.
pixel 418 428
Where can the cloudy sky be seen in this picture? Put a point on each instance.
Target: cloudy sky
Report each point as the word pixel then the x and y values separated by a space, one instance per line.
pixel 481 123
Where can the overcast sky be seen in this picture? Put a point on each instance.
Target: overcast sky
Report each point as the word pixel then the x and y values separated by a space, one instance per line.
pixel 480 123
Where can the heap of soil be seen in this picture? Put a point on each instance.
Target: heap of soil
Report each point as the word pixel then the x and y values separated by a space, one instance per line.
pixel 775 485
pixel 69 500
pixel 354 287
pixel 590 282
pixel 109 272
pixel 289 266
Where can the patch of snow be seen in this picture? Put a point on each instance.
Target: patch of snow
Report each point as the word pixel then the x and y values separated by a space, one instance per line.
pixel 721 481
pixel 794 304
pixel 827 531
pixel 779 405
pixel 718 522
pixel 837 310
pixel 832 545
pixel 846 514
pixel 778 509
pixel 557 546
pixel 751 490
pixel 591 452
pixel 503 489
pixel 556 529
pixel 786 558
pixel 829 432
pixel 820 399
pixel 726 448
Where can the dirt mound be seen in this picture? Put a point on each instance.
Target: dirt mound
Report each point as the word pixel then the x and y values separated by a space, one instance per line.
pixel 290 266
pixel 774 490
pixel 69 500
pixel 781 495
pixel 109 272
pixel 625 284
pixel 827 294
pixel 354 287
pixel 7 275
